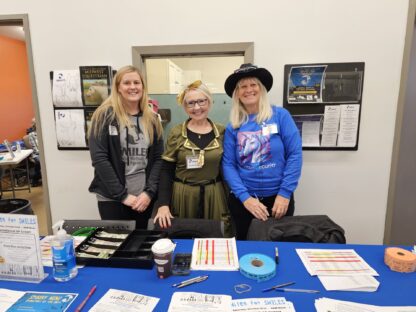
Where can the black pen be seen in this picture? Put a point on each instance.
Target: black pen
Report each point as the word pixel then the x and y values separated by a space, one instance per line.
pixel 276 255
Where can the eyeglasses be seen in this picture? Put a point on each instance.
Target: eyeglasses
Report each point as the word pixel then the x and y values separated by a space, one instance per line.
pixel 200 102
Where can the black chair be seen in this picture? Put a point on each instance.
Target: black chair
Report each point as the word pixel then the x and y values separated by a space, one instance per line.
pixel 191 228
pixel 70 226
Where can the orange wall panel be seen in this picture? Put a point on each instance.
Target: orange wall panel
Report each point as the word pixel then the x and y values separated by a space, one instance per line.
pixel 16 107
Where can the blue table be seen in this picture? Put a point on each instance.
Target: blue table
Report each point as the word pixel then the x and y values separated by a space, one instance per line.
pixel 395 288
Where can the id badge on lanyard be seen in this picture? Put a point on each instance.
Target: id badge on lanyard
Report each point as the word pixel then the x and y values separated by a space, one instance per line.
pixel 269 129
pixel 195 161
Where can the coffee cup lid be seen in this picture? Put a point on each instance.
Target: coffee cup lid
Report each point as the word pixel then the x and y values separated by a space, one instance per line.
pixel 163 245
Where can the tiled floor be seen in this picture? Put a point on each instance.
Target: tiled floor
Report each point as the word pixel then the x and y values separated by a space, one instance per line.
pixel 36 199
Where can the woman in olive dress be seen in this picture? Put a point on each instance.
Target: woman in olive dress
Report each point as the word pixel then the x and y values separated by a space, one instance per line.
pixel 191 185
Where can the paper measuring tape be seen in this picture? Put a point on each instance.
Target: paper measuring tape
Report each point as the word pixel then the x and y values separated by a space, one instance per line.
pixel 257 266
pixel 400 260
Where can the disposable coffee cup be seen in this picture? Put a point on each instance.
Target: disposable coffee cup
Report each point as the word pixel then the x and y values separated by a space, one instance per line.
pixel 162 251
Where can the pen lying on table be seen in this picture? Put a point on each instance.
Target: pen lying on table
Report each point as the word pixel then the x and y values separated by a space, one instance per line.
pixel 310 291
pixel 191 281
pixel 278 286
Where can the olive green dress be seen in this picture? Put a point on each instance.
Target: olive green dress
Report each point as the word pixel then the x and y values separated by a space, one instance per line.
pixel 187 186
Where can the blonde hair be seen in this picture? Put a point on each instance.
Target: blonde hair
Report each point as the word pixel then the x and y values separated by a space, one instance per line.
pixel 238 113
pixel 113 109
pixel 197 85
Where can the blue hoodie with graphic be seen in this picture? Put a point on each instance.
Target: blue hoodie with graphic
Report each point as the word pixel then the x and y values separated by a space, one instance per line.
pixel 263 159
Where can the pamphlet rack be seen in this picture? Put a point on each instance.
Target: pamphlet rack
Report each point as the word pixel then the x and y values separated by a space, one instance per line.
pixel 325 101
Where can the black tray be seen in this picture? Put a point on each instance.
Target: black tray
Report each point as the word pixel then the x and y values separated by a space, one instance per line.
pixel 134 252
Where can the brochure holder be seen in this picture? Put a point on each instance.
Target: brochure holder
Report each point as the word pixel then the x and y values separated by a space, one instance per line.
pixel 325 101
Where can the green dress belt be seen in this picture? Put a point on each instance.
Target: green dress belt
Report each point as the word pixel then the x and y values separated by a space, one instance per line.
pixel 200 213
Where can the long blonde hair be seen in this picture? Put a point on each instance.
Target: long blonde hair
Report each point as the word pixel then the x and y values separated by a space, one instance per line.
pixel 113 109
pixel 239 115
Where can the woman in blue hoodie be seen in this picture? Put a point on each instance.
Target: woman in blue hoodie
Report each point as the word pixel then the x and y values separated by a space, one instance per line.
pixel 262 157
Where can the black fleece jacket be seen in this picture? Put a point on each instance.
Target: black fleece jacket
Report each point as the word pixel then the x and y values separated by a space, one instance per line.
pixel 109 168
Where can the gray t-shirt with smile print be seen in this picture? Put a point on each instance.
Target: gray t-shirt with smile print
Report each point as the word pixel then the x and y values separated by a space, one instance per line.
pixel 134 147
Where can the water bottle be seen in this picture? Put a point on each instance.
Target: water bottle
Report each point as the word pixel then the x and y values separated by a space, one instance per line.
pixel 63 257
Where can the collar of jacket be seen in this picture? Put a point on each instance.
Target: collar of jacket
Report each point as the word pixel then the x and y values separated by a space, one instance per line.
pixel 190 145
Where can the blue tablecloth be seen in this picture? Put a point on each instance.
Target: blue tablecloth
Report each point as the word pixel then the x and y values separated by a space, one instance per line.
pixel 395 288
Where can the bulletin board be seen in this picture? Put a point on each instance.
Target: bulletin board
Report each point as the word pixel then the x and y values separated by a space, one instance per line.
pixel 76 94
pixel 325 101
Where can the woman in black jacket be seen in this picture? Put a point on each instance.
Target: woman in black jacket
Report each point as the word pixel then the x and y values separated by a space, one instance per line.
pixel 126 145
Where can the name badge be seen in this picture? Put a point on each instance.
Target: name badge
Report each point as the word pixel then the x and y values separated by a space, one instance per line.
pixel 269 129
pixel 192 162
pixel 112 130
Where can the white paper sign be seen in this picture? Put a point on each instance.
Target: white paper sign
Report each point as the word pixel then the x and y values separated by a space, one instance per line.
pixel 330 127
pixel 20 254
pixel 273 304
pixel 66 88
pixel 310 133
pixel 348 125
pixel 70 127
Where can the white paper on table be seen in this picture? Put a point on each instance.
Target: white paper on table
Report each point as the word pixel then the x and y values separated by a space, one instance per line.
pixel 310 133
pixel 326 304
pixel 276 304
pixel 215 254
pixel 124 301
pixel 330 125
pixel 365 283
pixel 198 302
pixel 345 262
pixel 348 125
pixel 9 297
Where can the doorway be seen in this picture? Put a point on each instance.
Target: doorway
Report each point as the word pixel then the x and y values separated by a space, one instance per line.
pixel 169 68
pixel 15 35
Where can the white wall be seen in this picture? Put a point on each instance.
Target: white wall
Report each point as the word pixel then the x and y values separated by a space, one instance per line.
pixel 351 187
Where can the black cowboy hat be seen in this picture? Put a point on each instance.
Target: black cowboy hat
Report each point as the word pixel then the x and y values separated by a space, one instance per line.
pixel 248 70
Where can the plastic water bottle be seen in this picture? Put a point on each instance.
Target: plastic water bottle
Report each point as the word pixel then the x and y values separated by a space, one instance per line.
pixel 63 257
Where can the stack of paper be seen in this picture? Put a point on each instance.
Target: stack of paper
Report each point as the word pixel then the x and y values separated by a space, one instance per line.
pixel 339 269
pixel 326 304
